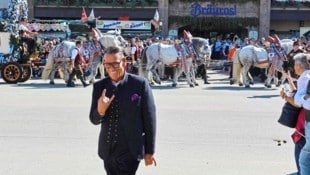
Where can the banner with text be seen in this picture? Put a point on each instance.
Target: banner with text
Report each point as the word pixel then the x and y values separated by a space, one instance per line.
pixel 128 25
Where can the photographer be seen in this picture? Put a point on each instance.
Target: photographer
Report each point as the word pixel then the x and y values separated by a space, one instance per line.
pixel 290 63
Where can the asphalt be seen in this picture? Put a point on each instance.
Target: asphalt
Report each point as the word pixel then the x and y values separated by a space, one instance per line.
pixel 214 129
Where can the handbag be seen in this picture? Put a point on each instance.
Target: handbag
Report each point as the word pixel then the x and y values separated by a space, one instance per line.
pixel 289 115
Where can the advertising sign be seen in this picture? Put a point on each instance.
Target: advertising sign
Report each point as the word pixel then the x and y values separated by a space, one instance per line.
pixel 129 25
pixel 197 9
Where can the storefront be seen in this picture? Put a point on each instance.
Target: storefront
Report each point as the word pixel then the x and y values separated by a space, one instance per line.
pixel 207 19
pixel 131 22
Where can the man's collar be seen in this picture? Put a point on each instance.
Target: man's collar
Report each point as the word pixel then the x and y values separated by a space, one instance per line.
pixel 122 81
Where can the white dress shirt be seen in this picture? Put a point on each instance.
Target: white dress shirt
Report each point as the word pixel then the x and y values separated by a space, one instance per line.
pixel 302 84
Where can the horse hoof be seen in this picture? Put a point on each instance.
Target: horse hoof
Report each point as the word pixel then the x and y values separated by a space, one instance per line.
pixel 196 84
pixel 52 82
pixel 268 86
pixel 174 85
pixel 231 82
pixel 252 83
pixel 191 85
pixel 247 86
pixel 240 84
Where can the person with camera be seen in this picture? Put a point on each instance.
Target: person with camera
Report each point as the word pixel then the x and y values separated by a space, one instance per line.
pixel 290 61
pixel 287 93
pixel 302 99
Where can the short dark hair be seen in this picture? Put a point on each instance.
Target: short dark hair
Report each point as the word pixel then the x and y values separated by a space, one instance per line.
pixel 78 42
pixel 113 50
pixel 23 19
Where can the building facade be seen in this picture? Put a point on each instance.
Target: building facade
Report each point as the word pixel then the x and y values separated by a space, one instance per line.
pixel 206 18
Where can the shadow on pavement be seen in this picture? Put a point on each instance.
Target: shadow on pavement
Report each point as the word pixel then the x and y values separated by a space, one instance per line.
pixel 43 86
pixel 264 96
pixel 239 88
pixel 292 173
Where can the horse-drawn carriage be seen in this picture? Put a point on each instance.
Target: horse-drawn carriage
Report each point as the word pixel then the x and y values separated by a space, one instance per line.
pixel 17 60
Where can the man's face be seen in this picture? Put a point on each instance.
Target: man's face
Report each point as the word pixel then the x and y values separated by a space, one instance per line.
pixel 115 66
pixel 298 68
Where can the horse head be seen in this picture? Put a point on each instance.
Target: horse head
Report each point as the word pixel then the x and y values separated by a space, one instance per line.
pixel 203 48
pixel 122 42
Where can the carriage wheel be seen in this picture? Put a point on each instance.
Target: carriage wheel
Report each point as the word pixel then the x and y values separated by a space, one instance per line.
pixel 27 72
pixel 11 73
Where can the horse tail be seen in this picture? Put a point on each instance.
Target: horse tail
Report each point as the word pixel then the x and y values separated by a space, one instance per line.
pixel 143 57
pixel 48 67
pixel 143 63
pixel 237 56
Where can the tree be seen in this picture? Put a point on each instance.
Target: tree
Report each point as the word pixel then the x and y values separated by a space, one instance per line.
pixel 17 10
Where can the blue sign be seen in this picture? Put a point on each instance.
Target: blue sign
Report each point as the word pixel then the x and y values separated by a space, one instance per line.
pixel 197 9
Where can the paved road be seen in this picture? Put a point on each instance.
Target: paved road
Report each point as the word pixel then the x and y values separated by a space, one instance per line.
pixel 214 129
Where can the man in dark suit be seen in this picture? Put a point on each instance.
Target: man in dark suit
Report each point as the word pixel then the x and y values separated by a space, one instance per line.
pixel 123 104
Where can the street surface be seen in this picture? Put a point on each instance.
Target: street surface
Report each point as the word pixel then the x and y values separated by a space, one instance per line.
pixel 215 129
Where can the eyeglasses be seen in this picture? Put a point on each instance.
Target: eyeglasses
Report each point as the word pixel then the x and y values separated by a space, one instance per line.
pixel 114 65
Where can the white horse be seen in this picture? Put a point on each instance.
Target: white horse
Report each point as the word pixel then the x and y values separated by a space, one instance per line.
pixel 254 56
pixel 287 45
pixel 203 52
pixel 61 54
pixel 178 55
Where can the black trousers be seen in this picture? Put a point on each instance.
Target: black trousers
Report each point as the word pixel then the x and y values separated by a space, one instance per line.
pixel 120 161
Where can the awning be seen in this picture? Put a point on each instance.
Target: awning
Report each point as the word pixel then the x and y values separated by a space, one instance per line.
pixel 290 15
pixel 105 13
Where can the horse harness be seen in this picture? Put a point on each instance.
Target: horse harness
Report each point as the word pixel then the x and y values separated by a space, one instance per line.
pixel 183 54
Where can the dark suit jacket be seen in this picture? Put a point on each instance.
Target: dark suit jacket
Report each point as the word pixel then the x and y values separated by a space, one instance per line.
pixel 137 114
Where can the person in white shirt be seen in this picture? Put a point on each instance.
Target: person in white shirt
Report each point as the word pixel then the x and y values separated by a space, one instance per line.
pixel 302 99
pixel 78 61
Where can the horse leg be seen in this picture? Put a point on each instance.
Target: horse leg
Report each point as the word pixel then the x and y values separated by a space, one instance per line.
pixel 250 78
pixel 245 71
pixel 204 74
pixel 236 74
pixel 270 76
pixel 65 66
pixel 161 70
pixel 187 71
pixel 52 74
pixel 176 73
pixel 155 75
pixel 192 75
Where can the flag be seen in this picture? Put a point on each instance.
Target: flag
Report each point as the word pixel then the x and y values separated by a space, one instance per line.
pixel 155 20
pixel 91 15
pixel 84 15
pixel 156 16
